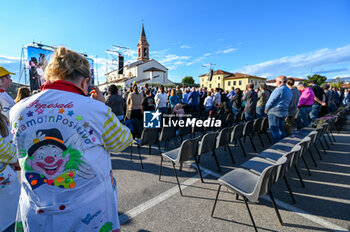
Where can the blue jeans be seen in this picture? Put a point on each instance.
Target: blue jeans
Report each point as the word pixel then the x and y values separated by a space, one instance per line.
pixel 277 127
pixel 208 108
pixel 303 118
pixel 248 117
pixel 163 110
pixel 260 111
pixel 314 112
pixel 235 110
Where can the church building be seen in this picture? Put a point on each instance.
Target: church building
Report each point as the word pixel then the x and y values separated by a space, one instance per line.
pixel 144 70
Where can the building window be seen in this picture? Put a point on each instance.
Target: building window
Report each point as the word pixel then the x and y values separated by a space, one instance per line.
pixel 229 83
pixel 202 86
pixel 234 82
pixel 218 77
pixel 219 85
pixel 202 79
pixel 209 85
pixel 240 82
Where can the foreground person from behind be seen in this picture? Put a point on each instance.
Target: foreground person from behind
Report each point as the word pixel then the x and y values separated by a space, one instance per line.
pixel 64 139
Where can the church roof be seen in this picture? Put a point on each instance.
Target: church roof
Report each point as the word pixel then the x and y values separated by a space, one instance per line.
pixel 136 63
pixel 218 72
pixel 143 34
pixel 153 69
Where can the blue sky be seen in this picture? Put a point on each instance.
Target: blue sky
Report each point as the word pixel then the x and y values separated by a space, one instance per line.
pixel 265 38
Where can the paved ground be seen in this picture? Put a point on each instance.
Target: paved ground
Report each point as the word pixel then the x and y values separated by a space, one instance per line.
pixel 147 204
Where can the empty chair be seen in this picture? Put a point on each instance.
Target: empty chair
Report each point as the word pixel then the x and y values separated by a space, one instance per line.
pixel 182 132
pixel 149 136
pixel 166 134
pixel 238 117
pixel 248 131
pixel 185 152
pixel 251 186
pixel 259 163
pixel 257 129
pixel 264 127
pixel 324 127
pixel 236 135
pixel 224 139
pixel 230 119
pixel 208 144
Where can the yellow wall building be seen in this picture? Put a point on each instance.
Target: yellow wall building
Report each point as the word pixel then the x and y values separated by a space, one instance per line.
pixel 226 80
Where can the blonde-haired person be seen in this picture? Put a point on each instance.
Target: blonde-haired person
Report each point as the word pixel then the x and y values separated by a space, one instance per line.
pixel 64 139
pixel 9 183
pixel 134 104
pixel 22 93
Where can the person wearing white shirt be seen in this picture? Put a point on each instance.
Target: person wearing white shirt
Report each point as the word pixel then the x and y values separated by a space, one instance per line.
pixel 161 100
pixel 208 102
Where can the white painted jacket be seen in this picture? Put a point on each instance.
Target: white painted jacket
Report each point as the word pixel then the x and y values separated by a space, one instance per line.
pixel 64 140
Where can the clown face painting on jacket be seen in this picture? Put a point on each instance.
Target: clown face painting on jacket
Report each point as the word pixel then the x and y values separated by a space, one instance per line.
pixel 63 150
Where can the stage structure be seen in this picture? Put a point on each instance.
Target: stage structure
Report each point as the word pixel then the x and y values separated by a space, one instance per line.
pixel 34 59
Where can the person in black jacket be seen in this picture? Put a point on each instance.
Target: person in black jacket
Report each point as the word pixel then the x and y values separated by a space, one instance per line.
pixel 250 98
pixel 236 101
pixel 115 101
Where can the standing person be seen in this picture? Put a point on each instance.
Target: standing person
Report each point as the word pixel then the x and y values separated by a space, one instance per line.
pixel 66 166
pixel 237 102
pixel 22 93
pixel 305 103
pixel 328 100
pixel 319 101
pixel 179 92
pixel 277 108
pixel 148 102
pixel 193 101
pixel 293 106
pixel 208 102
pixel 161 100
pixel 346 97
pixel 250 98
pixel 216 97
pixel 5 100
pixel 115 101
pixel 263 96
pixel 230 96
pixel 173 99
pixel 10 187
pixel 134 103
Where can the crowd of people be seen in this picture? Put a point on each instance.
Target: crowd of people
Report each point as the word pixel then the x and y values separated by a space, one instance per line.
pixel 60 139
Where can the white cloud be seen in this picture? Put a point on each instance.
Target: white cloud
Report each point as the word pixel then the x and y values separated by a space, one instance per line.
pixel 302 64
pixel 225 51
pixel 185 46
pixel 168 59
pixel 207 54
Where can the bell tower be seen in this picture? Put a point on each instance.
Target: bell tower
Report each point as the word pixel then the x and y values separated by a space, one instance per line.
pixel 143 46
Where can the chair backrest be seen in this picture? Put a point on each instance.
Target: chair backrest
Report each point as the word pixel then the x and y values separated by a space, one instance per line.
pixel 207 143
pixel 242 117
pixel 264 124
pixel 230 119
pixel 248 128
pixel 257 124
pixel 290 158
pixel 238 117
pixel 188 149
pixel 184 130
pixel 224 137
pixel 149 136
pixel 237 132
pixel 266 180
pixel 313 137
pixel 167 133
pixel 304 145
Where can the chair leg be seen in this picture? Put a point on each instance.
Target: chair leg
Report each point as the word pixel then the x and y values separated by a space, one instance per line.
pixel 138 148
pixel 228 147
pixel 149 149
pixel 268 137
pixel 289 189
pixel 324 138
pixel 306 165
pixel 324 149
pixel 177 179
pixel 318 151
pixel 250 214
pixel 262 143
pixel 329 138
pixel 251 141
pixel 240 143
pixel 333 136
pixel 216 199
pixel 299 176
pixel 160 168
pixel 160 152
pixel 216 161
pixel 199 170
pixel 312 157
pixel 131 152
pixel 276 209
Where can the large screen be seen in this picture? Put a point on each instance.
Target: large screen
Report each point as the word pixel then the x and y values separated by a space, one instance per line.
pixel 38 59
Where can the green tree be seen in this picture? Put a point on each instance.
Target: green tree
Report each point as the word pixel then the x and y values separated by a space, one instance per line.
pixel 337 82
pixel 318 78
pixel 188 80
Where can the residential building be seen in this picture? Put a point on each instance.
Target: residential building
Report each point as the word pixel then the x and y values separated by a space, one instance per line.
pixel 297 80
pixel 227 80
